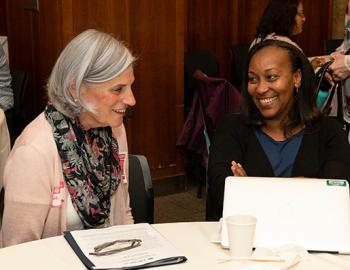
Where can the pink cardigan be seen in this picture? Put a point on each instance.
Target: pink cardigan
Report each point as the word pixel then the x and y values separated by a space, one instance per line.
pixel 35 197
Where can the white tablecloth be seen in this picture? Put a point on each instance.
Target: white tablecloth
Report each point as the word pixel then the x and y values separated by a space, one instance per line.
pixel 191 238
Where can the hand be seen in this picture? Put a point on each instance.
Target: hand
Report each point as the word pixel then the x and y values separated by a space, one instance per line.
pixel 329 78
pixel 317 62
pixel 237 169
pixel 338 69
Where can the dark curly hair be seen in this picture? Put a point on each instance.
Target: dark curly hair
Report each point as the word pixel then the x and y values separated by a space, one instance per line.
pixel 304 110
pixel 278 18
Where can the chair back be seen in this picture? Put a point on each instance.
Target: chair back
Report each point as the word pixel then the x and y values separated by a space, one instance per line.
pixel 212 99
pixel 204 60
pixel 217 97
pixel 16 117
pixel 140 189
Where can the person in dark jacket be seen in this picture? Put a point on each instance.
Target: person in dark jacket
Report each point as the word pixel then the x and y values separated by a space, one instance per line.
pixel 280 132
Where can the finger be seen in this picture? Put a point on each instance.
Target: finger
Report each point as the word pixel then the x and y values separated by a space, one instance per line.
pixel 241 170
pixel 329 78
pixel 236 170
pixel 335 77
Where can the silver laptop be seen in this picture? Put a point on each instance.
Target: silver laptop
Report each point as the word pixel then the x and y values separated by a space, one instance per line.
pixel 313 213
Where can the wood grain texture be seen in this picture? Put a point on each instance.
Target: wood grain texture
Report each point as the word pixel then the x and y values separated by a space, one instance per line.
pixel 157 40
pixel 209 27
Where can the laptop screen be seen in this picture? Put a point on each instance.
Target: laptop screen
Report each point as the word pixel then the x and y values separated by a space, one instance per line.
pixel 313 213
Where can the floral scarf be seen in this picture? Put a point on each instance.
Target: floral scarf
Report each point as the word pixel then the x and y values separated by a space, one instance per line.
pixel 90 166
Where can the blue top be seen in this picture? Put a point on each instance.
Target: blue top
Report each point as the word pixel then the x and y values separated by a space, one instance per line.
pixel 281 154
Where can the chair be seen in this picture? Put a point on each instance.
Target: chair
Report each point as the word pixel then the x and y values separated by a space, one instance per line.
pixel 217 97
pixel 140 189
pixel 204 60
pixel 330 45
pixel 16 117
pixel 238 62
pixel 212 99
pixel 4 152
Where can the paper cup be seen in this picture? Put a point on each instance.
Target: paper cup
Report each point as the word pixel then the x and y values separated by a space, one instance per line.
pixel 241 231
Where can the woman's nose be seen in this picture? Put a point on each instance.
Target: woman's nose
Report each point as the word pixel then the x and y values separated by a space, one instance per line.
pixel 262 87
pixel 129 99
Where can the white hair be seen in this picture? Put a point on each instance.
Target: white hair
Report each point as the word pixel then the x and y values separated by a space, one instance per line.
pixel 91 57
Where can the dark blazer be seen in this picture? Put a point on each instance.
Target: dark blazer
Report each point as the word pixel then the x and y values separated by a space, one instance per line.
pixel 324 153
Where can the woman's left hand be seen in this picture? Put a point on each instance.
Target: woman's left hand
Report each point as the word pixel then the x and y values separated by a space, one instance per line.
pixel 237 169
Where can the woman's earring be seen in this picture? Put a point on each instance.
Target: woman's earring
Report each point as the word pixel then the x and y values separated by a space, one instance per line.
pixel 75 100
pixel 297 89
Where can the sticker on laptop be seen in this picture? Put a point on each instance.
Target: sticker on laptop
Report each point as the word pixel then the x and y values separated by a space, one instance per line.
pixel 338 183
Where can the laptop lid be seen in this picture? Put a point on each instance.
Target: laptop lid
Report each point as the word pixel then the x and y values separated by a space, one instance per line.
pixel 313 213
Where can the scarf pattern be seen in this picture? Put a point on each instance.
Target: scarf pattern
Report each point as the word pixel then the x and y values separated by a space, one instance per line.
pixel 90 164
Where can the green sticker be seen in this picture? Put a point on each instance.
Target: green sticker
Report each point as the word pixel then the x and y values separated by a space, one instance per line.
pixel 339 183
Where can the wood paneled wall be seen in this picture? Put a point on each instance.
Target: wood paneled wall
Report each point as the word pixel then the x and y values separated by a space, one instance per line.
pixel 157 38
pixel 158 32
pixel 209 27
pixel 318 26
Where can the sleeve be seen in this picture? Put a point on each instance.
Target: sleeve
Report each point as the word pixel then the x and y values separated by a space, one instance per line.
pixel 6 93
pixel 337 153
pixel 347 62
pixel 225 147
pixel 28 196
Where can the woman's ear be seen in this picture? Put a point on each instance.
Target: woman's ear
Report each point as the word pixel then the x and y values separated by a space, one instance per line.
pixel 297 78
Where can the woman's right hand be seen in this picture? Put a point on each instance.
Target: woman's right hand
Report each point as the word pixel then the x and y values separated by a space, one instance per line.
pixel 237 169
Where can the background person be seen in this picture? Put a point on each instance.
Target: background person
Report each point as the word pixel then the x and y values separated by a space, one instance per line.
pixel 64 171
pixel 340 68
pixel 280 131
pixel 283 20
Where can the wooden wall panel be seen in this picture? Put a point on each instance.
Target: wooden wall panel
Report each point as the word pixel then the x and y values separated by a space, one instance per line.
pixel 110 16
pixel 156 38
pixel 209 27
pixel 21 48
pixel 47 45
pixel 34 44
pixel 245 18
pixel 317 27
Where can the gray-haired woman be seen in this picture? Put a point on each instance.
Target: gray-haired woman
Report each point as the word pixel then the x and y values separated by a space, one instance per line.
pixel 64 171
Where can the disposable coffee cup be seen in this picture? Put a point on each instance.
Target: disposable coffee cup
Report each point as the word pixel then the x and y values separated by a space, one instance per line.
pixel 241 232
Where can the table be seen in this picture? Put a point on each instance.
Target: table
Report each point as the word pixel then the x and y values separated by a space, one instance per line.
pixel 192 238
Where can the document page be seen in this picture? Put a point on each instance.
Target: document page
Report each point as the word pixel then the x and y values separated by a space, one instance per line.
pixel 153 250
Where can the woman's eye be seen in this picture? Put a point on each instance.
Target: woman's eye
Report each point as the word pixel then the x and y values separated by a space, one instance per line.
pixel 119 89
pixel 272 77
pixel 252 79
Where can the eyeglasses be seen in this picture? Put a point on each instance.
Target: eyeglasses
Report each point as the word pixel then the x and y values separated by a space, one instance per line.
pixel 121 245
pixel 301 14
